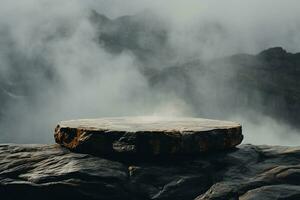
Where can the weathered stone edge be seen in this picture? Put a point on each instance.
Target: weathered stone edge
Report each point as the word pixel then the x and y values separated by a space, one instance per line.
pixel 147 142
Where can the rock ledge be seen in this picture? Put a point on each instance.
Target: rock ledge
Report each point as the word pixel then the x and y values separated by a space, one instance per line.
pixel 148 135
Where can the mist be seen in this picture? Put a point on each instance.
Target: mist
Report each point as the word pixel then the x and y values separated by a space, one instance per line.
pixel 53 68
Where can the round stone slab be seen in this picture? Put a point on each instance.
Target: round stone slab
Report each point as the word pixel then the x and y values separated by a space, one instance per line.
pixel 148 135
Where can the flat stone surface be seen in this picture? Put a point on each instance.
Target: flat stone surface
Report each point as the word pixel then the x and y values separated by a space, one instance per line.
pixel 135 124
pixel 148 135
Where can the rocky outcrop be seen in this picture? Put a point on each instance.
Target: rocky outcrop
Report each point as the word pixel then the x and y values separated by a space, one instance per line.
pixel 143 34
pixel 148 135
pixel 274 53
pixel 266 83
pixel 53 172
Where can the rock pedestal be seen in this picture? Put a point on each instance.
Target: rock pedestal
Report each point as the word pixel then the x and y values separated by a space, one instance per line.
pixel 148 135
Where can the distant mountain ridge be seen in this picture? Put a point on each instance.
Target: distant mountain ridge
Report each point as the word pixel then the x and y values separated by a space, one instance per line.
pixel 267 82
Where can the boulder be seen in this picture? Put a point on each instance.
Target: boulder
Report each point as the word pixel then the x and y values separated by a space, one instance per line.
pixel 148 135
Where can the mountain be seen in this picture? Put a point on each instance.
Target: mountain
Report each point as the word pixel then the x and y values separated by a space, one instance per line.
pixel 267 82
pixel 240 84
pixel 144 34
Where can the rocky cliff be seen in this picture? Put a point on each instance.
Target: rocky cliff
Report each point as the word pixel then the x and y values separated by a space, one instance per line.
pixel 266 83
pixel 183 158
pixel 53 172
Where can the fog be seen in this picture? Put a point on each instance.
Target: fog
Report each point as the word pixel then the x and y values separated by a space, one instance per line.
pixel 52 68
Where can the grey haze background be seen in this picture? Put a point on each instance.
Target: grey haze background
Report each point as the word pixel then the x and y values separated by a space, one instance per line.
pixel 52 44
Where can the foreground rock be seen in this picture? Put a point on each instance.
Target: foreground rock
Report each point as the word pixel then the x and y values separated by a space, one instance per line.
pixel 53 172
pixel 148 135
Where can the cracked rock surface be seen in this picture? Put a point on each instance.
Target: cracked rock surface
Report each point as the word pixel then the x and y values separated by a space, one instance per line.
pixel 53 172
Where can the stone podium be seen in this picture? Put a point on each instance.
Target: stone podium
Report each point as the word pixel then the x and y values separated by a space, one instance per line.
pixel 148 135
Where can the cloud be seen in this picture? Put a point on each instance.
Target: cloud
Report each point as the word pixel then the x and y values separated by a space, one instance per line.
pixel 67 74
pixel 53 69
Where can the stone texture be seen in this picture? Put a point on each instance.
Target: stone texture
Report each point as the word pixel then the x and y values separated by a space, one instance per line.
pixel 148 135
pixel 54 172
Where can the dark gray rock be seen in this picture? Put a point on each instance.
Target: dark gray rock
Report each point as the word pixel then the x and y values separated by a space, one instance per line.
pixel 274 53
pixel 49 171
pixel 271 192
pixel 53 172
